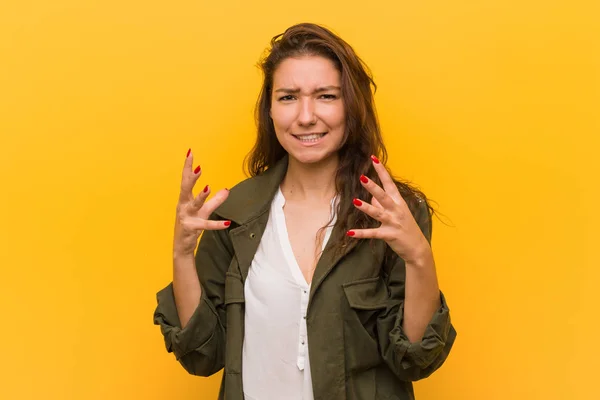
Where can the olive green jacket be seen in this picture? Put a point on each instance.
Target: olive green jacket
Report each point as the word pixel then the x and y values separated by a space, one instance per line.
pixel 358 350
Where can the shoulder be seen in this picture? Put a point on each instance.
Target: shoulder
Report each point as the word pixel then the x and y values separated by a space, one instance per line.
pixel 243 200
pixel 417 201
pixel 252 196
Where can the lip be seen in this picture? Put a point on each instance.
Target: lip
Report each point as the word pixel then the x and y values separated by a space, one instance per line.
pixel 310 144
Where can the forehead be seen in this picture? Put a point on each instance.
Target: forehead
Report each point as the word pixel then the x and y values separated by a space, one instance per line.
pixel 306 72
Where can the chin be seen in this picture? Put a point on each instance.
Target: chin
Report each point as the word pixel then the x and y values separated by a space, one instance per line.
pixel 306 157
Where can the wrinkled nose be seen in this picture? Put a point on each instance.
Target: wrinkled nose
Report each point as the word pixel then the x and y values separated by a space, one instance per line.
pixel 306 114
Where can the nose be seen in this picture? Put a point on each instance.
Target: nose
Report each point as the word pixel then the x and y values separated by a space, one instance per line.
pixel 306 114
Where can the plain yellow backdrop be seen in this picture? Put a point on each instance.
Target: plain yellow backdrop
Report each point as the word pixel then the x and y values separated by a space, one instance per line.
pixel 491 107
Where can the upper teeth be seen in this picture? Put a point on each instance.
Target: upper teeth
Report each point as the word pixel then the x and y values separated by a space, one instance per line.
pixel 310 137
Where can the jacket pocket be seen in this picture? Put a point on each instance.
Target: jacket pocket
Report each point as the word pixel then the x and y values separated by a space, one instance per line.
pixel 367 298
pixel 367 294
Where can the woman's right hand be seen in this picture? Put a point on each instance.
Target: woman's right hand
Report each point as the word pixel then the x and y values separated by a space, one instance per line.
pixel 193 212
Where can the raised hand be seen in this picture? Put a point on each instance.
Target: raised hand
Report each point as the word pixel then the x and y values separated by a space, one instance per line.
pixel 193 212
pixel 398 227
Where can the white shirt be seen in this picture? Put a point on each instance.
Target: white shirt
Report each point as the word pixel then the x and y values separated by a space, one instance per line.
pixel 275 362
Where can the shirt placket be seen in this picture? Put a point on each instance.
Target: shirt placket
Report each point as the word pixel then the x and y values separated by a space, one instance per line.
pixel 302 336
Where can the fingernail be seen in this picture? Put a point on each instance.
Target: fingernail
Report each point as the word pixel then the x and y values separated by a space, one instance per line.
pixel 197 169
pixel 364 179
pixel 350 233
pixel 375 159
pixel 205 189
pixel 227 223
pixel 357 202
pixel 188 153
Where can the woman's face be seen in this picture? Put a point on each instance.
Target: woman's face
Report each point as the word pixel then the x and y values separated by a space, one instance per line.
pixel 307 108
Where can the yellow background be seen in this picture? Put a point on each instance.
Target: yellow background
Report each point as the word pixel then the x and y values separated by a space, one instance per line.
pixel 492 107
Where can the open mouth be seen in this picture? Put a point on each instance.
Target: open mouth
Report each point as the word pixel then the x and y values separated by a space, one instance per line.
pixel 310 138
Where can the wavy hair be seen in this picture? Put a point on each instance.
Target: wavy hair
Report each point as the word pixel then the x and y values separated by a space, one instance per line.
pixel 362 137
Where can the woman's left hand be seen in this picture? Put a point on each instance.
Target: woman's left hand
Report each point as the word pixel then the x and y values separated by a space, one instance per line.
pixel 398 227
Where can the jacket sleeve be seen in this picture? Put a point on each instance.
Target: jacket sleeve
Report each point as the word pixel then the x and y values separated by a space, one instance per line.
pixel 200 346
pixel 413 361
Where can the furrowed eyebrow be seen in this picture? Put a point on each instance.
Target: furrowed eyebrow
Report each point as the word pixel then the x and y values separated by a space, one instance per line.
pixel 319 90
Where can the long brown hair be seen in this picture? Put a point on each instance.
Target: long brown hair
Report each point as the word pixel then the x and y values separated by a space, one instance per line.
pixel 362 137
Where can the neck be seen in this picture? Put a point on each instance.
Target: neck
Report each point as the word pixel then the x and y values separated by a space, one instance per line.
pixel 310 182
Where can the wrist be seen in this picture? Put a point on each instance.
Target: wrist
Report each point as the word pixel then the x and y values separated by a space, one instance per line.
pixel 182 254
pixel 421 258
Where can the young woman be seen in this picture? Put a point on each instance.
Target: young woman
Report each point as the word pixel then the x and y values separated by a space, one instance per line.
pixel 314 278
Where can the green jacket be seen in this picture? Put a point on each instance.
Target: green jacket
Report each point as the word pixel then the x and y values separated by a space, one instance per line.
pixel 358 350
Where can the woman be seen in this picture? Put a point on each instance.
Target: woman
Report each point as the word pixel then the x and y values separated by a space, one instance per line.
pixel 314 278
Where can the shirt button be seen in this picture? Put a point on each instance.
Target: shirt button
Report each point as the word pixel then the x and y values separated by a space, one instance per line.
pixel 303 342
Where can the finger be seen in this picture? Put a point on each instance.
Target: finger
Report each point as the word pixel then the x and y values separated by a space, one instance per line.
pixel 189 177
pixel 378 193
pixel 374 233
pixel 211 205
pixel 199 200
pixel 374 212
pixel 195 223
pixel 375 203
pixel 386 180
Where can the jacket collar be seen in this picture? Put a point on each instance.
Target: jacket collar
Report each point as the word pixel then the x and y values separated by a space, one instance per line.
pixel 252 197
pixel 248 205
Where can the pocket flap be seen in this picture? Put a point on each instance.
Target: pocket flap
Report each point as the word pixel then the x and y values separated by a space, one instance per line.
pixel 234 288
pixel 367 294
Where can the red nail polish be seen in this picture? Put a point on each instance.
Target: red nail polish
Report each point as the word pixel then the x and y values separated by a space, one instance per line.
pixel 188 153
pixel 364 179
pixel 375 159
pixel 205 189
pixel 357 202
pixel 227 223
pixel 197 169
pixel 350 233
